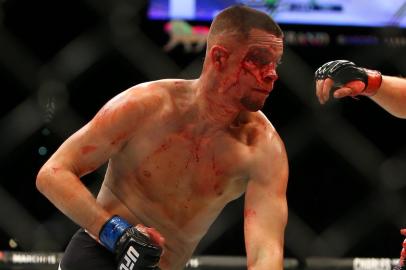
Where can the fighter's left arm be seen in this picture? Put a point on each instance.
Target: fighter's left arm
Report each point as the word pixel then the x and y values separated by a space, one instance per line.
pixel 266 211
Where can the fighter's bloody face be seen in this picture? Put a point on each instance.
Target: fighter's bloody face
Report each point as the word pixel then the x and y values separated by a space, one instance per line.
pixel 256 73
pixel 261 64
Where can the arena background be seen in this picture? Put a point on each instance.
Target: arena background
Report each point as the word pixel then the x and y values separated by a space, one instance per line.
pixel 60 61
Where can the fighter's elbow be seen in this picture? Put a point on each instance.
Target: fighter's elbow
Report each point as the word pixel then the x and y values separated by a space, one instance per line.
pixel 46 177
pixel 42 179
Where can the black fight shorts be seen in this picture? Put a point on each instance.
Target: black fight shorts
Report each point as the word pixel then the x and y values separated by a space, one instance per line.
pixel 84 253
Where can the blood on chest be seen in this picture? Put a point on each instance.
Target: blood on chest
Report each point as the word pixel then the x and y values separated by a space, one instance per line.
pixel 178 167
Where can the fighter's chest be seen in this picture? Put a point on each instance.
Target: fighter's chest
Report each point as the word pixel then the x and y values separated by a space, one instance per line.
pixel 206 155
pixel 207 166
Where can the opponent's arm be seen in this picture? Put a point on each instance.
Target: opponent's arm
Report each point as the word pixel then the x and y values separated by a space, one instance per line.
pixel 265 214
pixel 85 151
pixel 391 96
pixel 346 79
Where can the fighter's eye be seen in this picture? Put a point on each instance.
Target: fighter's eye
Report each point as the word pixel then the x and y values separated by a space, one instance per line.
pixel 259 57
pixel 257 60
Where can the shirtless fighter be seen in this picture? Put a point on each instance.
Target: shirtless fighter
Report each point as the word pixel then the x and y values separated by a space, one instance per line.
pixel 178 151
pixel 345 78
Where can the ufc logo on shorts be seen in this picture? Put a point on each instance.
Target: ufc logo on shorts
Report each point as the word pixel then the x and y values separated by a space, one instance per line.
pixel 130 259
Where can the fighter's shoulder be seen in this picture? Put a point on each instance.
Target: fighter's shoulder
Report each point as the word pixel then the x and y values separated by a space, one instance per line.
pixel 267 140
pixel 157 95
pixel 166 84
pixel 141 99
pixel 259 126
pixel 157 92
pixel 151 88
pixel 262 120
pixel 163 88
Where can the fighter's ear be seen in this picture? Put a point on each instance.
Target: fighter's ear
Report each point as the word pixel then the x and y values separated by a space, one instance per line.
pixel 219 56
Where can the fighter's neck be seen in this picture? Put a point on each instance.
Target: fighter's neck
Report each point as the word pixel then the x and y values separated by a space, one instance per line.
pixel 212 110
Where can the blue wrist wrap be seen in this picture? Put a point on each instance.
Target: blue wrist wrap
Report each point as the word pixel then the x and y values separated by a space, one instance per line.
pixel 112 230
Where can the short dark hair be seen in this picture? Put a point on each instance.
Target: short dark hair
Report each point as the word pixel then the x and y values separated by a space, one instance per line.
pixel 241 19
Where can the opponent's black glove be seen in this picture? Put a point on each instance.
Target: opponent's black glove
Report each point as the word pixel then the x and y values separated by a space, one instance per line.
pixel 343 71
pixel 133 249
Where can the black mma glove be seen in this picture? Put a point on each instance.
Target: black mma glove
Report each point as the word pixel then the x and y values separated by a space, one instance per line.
pixel 132 248
pixel 343 71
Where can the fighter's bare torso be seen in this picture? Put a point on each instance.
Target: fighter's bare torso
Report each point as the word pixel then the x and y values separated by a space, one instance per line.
pixel 175 175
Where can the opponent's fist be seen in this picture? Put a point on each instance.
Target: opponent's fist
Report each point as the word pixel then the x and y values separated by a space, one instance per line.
pixel 345 79
pixel 134 250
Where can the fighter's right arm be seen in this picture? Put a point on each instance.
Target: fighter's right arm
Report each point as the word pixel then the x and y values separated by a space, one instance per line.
pixel 89 148
pixel 344 78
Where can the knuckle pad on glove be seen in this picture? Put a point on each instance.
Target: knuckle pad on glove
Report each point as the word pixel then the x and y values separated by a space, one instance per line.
pixel 341 72
pixel 148 253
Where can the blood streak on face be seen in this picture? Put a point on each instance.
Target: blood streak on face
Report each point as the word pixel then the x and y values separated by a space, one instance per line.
pixel 254 71
pixel 260 63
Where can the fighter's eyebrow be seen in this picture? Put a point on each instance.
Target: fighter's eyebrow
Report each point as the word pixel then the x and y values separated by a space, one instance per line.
pixel 258 49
